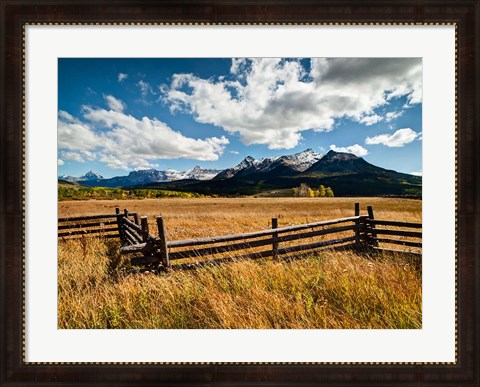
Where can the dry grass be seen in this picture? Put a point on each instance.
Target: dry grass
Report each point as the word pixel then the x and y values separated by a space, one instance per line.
pixel 327 290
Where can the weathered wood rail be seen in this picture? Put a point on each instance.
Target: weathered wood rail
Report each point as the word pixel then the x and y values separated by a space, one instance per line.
pixel 102 225
pixel 359 231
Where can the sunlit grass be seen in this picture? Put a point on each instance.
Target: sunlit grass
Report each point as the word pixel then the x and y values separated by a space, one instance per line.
pixel 326 290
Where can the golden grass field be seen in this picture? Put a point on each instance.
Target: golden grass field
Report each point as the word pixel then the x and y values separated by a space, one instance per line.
pixel 326 290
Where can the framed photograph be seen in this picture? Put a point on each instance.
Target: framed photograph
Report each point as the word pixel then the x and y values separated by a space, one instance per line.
pixel 235 192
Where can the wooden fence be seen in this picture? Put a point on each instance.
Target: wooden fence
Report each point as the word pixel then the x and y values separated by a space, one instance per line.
pixel 359 231
pixel 103 225
pixel 362 232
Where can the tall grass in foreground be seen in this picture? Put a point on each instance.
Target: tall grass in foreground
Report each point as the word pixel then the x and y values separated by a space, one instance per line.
pixel 326 290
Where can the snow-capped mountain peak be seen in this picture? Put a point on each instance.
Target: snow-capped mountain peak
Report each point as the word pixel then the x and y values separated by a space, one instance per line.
pixel 297 162
pixel 301 161
pixel 90 175
pixel 197 173
pixel 246 162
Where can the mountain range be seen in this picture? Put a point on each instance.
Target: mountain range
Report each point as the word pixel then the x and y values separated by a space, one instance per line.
pixel 90 175
pixel 281 165
pixel 143 176
pixel 345 173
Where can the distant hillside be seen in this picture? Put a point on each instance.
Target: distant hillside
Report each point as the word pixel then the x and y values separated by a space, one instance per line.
pixel 69 184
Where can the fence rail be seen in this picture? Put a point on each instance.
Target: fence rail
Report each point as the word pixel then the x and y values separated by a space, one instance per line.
pixel 359 231
pixel 101 225
pixel 406 237
pixel 394 223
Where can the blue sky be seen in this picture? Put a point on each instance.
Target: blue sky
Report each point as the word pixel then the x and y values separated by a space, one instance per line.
pixel 118 115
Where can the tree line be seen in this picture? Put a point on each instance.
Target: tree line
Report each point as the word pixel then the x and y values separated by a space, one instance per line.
pixel 70 193
pixel 304 191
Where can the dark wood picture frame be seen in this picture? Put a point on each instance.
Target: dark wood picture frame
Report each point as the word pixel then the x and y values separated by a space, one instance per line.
pixel 465 14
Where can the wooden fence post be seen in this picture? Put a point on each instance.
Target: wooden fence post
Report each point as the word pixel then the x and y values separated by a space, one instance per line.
pixel 371 217
pixel 275 239
pixel 145 232
pixel 163 242
pixel 357 225
pixel 135 218
pixel 121 234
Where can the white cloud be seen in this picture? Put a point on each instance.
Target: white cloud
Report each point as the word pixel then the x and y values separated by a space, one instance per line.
pixel 114 103
pixel 234 152
pixel 271 101
pixel 123 141
pixel 74 156
pixel 373 118
pixel 390 116
pixel 66 116
pixel 419 173
pixel 74 134
pixel 145 88
pixel 398 139
pixel 356 149
pixel 238 65
pixel 370 119
pixel 122 76
pixel 60 162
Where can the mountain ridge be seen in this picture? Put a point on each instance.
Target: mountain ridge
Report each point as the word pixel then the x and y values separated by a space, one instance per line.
pixel 90 175
pixel 143 176
pixel 296 162
pixel 346 173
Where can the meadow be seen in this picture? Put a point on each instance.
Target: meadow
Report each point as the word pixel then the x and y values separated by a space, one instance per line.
pixel 327 289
